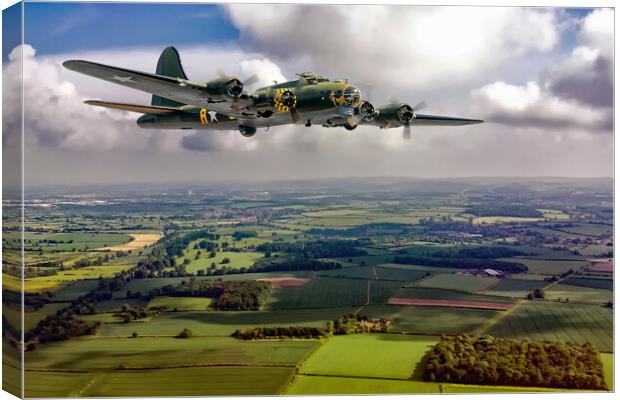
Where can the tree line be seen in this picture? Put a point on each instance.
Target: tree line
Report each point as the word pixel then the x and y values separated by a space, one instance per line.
pixel 508 267
pixel 343 325
pixel 487 360
pixel 318 248
pixel 228 295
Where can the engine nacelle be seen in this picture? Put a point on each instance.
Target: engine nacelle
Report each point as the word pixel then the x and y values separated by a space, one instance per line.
pixel 401 113
pixel 247 131
pixel 367 111
pixel 226 86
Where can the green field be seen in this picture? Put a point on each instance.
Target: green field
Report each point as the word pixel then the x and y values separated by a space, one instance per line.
pixel 223 323
pixel 547 320
pixel 75 290
pixel 430 320
pixel 150 352
pixel 182 303
pixel 595 283
pixel 447 294
pixel 56 384
pixel 116 304
pixel 77 241
pixel 237 260
pixel 333 292
pixel 212 381
pixel 106 271
pixel 517 288
pixel 578 294
pixel 467 283
pixel 369 355
pixel 320 385
pixel 547 267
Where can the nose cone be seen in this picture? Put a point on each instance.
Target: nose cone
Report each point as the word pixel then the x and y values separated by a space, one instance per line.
pixel 352 96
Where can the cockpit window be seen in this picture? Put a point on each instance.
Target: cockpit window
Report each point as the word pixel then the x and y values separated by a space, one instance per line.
pixel 311 81
pixel 352 96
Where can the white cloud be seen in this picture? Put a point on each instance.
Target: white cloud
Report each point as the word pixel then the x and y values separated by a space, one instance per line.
pixel 415 47
pixel 531 105
pixel 575 92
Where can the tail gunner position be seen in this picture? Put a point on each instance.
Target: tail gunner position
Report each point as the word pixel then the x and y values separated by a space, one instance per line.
pixel 222 104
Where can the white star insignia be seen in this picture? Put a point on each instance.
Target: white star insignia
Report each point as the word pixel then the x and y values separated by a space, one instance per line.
pixel 212 114
pixel 123 79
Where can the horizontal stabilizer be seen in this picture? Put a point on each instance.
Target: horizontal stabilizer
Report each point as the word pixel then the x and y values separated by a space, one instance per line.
pixel 153 110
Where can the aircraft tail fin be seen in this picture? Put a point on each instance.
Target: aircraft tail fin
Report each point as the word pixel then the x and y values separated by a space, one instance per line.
pixel 169 64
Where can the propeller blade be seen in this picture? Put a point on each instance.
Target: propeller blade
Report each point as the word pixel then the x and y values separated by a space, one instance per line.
pixel 295 116
pixel 419 106
pixel 407 132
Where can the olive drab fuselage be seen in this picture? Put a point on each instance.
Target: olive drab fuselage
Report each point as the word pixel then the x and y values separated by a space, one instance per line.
pixel 317 100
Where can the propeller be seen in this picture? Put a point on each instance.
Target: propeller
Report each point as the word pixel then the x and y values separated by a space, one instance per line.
pixel 408 116
pixel 249 81
pixel 289 100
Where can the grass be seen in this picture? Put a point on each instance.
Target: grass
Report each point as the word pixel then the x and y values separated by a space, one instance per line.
pixel 223 323
pixel 467 283
pixel 596 283
pixel 547 320
pixel 12 283
pixel 79 241
pixel 447 294
pixel 333 292
pixel 369 355
pixel 608 369
pixel 516 288
pixel 547 267
pixel 144 286
pixel 214 381
pixel 55 384
pixel 151 352
pixel 182 303
pixel 430 320
pixel 237 259
pixel 579 294
pixel 106 271
pixel 382 273
pixel 320 385
pixel 75 290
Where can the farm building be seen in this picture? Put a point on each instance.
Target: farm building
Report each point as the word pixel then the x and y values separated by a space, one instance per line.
pixel 492 273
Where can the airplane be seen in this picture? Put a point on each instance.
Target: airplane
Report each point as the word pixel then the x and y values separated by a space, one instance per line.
pixel 222 104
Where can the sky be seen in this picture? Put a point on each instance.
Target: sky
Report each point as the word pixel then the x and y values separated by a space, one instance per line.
pixel 541 78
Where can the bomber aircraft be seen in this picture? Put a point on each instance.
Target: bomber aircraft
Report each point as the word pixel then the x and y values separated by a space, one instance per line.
pixel 222 104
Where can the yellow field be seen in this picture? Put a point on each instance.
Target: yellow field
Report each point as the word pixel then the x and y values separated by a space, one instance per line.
pixel 94 272
pixel 140 240
pixel 12 283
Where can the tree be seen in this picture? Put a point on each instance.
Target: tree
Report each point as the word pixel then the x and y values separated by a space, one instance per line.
pixel 134 335
pixel 225 260
pixel 185 334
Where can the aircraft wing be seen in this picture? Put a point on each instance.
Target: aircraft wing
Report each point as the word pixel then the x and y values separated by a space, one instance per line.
pixel 153 110
pixel 439 120
pixel 177 89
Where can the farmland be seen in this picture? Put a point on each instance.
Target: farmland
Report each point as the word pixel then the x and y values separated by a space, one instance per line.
pixel 132 289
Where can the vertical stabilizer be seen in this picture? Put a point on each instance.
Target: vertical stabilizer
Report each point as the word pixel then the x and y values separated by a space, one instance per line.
pixel 169 64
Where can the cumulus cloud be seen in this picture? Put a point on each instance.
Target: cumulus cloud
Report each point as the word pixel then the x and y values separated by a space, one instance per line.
pixel 575 92
pixel 587 75
pixel 412 46
pixel 396 48
pixel 531 105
